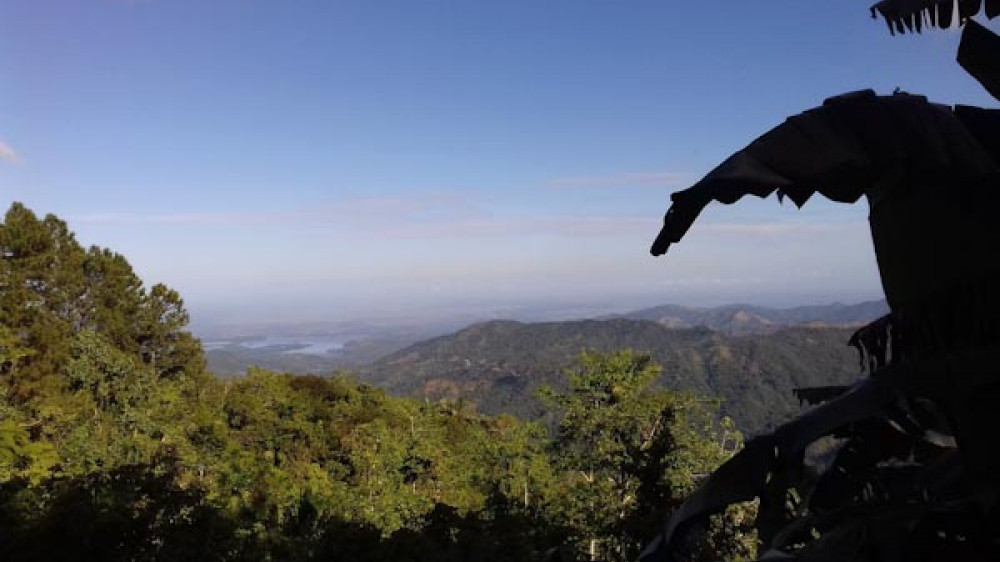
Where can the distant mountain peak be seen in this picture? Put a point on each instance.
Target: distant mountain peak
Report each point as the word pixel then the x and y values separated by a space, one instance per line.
pixel 745 319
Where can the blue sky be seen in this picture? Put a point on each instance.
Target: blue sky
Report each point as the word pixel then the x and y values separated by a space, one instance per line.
pixel 304 160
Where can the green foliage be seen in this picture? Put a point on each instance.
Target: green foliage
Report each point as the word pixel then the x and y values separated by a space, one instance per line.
pixel 20 457
pixel 629 453
pixel 115 444
pixel 53 289
pixel 12 351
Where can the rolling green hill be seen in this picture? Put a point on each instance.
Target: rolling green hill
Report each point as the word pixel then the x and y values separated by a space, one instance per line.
pixel 499 365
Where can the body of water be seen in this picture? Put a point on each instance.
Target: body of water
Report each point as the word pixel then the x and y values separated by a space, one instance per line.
pixel 309 345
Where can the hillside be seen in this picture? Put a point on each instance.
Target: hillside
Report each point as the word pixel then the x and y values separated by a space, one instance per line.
pixel 499 365
pixel 739 319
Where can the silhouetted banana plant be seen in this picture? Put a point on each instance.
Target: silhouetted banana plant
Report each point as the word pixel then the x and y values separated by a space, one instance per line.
pixel 905 464
pixel 912 16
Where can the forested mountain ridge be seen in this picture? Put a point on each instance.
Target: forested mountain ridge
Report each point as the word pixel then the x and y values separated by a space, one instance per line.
pixel 499 365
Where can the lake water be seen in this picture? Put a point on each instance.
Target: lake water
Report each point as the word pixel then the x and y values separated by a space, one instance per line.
pixel 309 345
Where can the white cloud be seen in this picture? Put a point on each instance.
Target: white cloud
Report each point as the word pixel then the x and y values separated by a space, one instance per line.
pixel 780 228
pixel 454 218
pixel 555 225
pixel 368 212
pixel 8 154
pixel 637 179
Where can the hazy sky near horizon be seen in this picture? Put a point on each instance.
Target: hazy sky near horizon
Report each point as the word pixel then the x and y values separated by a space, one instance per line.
pixel 299 160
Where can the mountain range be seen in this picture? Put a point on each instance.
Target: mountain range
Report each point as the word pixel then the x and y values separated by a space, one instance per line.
pixel 741 319
pixel 749 357
pixel 499 366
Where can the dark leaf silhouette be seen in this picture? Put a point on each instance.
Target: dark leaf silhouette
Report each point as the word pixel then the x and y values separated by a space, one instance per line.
pixel 902 466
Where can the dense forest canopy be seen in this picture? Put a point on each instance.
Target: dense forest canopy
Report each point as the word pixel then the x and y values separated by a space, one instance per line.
pixel 117 444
